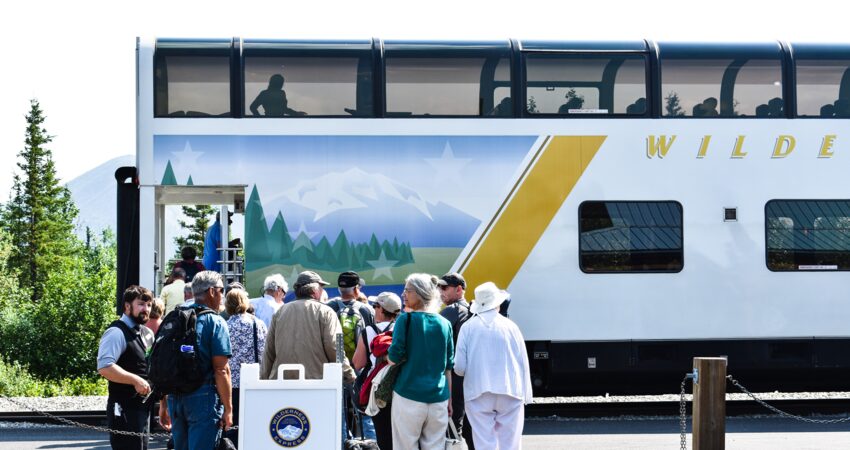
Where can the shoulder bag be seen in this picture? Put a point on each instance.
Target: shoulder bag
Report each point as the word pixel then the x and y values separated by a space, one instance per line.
pixel 384 392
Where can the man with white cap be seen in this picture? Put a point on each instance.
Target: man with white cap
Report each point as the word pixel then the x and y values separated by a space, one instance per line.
pixel 494 399
pixel 304 332
pixel 274 289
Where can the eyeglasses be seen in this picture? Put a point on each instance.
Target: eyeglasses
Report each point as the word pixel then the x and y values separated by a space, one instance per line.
pixel 445 286
pixel 218 288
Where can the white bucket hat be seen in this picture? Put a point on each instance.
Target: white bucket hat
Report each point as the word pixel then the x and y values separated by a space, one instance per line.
pixel 487 297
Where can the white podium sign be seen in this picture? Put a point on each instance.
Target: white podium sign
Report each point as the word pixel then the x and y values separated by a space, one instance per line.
pixel 275 414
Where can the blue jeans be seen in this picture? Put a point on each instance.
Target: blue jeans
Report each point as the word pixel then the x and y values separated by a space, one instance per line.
pixel 195 418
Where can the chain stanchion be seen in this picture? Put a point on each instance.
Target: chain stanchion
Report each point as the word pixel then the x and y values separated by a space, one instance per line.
pixel 85 426
pixel 779 411
pixel 683 421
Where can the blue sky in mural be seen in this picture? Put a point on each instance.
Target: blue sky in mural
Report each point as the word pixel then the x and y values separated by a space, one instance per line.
pixel 430 191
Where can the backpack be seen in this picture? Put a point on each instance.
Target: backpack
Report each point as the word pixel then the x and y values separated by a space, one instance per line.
pixel 364 373
pixel 460 320
pixel 352 325
pixel 173 364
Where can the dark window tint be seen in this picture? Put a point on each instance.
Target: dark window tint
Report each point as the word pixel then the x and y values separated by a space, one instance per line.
pixel 573 84
pixel 192 85
pixel 721 88
pixel 277 86
pixel 823 88
pixel 808 234
pixel 630 237
pixel 448 86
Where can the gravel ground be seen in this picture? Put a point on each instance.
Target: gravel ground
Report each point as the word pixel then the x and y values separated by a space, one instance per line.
pixel 99 403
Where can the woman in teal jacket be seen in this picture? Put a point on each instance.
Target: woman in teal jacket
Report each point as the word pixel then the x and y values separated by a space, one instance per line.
pixel 422 340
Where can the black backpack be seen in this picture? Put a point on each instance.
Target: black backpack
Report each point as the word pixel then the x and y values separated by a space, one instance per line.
pixel 173 366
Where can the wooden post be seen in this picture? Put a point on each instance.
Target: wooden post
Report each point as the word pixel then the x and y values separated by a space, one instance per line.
pixel 709 427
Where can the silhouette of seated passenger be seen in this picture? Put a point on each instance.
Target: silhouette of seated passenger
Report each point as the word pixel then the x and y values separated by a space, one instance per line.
pixel 638 107
pixel 827 110
pixel 572 103
pixel 503 109
pixel 273 100
pixel 775 105
pixel 708 108
pixel 762 111
pixel 842 108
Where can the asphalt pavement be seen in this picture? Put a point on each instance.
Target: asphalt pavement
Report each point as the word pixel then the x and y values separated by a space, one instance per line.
pixel 539 434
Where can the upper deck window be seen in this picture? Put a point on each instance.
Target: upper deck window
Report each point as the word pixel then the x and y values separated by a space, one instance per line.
pixel 721 82
pixel 447 80
pixel 192 79
pixel 823 80
pixel 308 79
pixel 578 84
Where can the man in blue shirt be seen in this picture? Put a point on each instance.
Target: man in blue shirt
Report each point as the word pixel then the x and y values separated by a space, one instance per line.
pixel 197 418
pixel 212 242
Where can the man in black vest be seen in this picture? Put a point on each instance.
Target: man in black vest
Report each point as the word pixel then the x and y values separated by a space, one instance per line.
pixel 122 360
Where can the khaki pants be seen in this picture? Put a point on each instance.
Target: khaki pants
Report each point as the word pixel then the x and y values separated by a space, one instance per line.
pixel 418 425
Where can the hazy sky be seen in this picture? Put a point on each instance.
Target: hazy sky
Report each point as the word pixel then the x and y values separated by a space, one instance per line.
pixel 77 57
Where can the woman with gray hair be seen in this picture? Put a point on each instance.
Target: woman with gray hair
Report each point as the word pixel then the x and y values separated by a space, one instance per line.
pixel 422 341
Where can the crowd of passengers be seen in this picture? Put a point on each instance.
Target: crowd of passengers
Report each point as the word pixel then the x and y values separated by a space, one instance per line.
pixel 454 369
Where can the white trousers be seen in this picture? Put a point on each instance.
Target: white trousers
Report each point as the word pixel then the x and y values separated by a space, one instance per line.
pixel 496 421
pixel 418 425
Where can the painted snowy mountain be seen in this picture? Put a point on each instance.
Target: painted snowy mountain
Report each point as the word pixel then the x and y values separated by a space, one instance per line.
pixel 364 203
pixel 290 433
pixel 94 194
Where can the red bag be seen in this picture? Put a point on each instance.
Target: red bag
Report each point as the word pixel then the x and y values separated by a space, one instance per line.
pixel 380 345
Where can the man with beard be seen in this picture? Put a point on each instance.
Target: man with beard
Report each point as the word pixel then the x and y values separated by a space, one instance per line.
pixel 121 359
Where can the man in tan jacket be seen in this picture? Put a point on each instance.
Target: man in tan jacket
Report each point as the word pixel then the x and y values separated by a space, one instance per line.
pixel 304 332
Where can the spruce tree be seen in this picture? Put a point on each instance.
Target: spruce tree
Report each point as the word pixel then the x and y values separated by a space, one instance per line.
pixel 201 216
pixel 39 217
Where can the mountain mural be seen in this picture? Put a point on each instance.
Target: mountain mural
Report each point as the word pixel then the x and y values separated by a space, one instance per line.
pixel 364 204
pixel 279 245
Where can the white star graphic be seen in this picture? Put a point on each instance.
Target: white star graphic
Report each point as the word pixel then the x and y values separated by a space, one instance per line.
pixel 382 266
pixel 186 161
pixel 447 167
pixel 302 229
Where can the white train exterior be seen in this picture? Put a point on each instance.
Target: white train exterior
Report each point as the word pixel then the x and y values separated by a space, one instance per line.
pixel 630 240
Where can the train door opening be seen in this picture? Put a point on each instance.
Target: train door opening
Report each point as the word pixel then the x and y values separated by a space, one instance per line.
pixel 227 200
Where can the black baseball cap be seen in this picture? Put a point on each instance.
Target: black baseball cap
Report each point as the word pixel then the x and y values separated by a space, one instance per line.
pixel 348 279
pixel 452 279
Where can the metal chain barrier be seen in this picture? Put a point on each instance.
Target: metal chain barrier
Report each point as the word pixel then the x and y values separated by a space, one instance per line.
pixel 683 422
pixel 779 411
pixel 89 427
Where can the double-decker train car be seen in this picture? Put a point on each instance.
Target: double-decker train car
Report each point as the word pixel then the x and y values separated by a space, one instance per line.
pixel 643 202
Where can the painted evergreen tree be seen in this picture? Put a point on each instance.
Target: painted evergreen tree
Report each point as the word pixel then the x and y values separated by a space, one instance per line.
pixel 342 252
pixel 168 178
pixel 280 242
pixel 200 219
pixel 257 248
pixel 40 214
pixel 189 182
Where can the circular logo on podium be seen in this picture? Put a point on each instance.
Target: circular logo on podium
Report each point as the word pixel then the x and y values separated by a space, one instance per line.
pixel 289 427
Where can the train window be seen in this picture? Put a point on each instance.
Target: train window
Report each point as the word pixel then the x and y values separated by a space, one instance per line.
pixel 192 82
pixel 291 81
pixel 722 88
pixel 439 80
pixel 823 88
pixel 630 236
pixel 804 235
pixel 570 84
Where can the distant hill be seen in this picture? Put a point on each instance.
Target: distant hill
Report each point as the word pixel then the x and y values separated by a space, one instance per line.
pixel 94 194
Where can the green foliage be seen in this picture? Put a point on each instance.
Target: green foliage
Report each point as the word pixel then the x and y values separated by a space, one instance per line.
pixel 40 214
pixel 201 216
pixel 532 105
pixel 58 337
pixel 672 107
pixel 17 381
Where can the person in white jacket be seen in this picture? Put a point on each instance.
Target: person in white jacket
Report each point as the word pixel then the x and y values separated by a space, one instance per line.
pixel 491 357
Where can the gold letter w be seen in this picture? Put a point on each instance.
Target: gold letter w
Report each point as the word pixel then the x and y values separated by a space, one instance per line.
pixel 659 147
